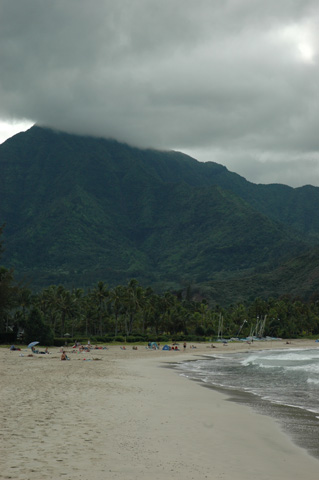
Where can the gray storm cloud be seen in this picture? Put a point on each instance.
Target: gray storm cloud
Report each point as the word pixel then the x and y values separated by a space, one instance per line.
pixel 235 82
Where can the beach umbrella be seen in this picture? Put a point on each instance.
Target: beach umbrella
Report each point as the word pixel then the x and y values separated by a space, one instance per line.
pixel 33 344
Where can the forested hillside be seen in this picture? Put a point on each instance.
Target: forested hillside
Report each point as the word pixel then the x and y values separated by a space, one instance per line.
pixel 79 210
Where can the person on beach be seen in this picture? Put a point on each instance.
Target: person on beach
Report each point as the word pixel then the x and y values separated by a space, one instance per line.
pixel 184 346
pixel 64 356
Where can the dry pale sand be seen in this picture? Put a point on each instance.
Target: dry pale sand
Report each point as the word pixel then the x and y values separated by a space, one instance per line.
pixel 124 417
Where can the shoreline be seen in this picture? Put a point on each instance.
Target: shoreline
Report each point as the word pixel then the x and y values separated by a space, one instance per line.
pixel 284 414
pixel 125 417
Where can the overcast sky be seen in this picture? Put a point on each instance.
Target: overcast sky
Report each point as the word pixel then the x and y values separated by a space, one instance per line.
pixel 231 81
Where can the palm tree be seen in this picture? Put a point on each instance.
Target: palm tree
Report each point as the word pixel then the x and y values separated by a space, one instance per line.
pixel 117 300
pixel 8 296
pixel 47 302
pixel 25 302
pixel 101 294
pixel 168 303
pixel 133 302
pixel 66 306
pixel 149 309
pixel 89 313
pixel 78 310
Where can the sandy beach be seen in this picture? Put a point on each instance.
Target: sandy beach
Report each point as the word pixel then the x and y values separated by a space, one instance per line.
pixel 119 414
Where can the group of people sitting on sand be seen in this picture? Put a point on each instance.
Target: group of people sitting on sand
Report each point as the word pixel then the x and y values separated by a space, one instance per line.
pixel 84 348
pixel 39 351
pixel 88 347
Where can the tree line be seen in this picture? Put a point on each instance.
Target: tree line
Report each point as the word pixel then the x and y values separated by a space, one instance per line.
pixel 133 311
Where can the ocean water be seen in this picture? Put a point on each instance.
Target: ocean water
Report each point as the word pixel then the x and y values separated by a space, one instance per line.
pixel 280 383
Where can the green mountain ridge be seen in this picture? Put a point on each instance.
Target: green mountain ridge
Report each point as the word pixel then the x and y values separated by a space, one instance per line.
pixel 80 209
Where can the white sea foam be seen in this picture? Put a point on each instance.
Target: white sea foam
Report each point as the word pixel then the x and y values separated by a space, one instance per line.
pixel 313 380
pixel 310 368
pixel 282 377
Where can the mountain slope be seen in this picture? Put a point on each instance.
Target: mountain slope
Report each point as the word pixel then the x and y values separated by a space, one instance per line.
pixel 81 209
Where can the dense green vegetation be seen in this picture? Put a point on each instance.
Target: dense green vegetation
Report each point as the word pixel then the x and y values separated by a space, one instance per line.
pixel 79 210
pixel 133 313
